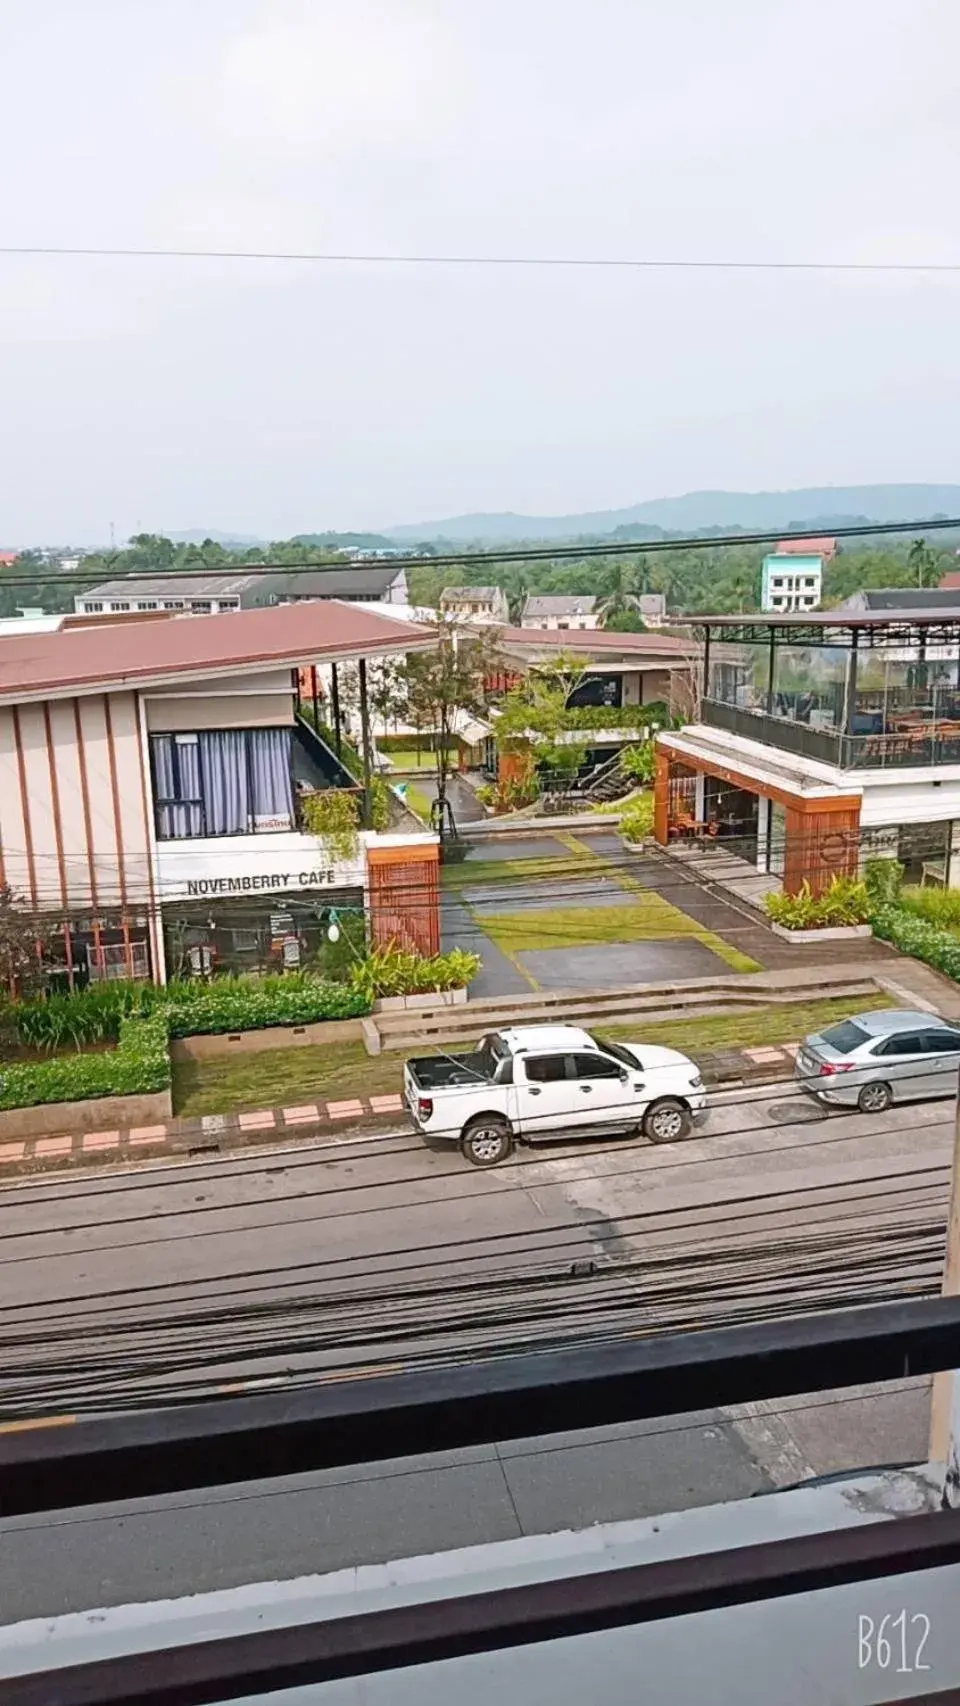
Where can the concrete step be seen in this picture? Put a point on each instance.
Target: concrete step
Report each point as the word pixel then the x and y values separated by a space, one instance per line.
pixel 408 1031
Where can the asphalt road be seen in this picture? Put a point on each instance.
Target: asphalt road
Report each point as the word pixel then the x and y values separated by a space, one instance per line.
pixel 386 1252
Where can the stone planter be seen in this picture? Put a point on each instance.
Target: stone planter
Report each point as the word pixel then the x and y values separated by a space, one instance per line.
pixel 409 1003
pixel 840 933
pixel 271 1037
pixel 97 1113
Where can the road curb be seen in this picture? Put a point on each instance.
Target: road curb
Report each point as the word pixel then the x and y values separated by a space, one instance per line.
pixel 213 1134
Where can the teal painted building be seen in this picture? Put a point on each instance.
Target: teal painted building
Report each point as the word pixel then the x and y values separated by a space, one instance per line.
pixel 791 582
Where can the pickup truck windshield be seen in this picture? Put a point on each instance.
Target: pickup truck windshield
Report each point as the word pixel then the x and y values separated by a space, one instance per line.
pixel 625 1056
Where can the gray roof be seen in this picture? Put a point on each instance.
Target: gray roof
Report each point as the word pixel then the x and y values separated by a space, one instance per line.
pixel 550 604
pixel 473 592
pixel 173 586
pixel 369 582
pixel 904 598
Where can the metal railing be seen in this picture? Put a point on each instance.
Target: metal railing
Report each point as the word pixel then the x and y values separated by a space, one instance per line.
pixel 926 744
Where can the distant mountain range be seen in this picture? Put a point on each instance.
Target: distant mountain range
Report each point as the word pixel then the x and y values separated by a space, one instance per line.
pixel 229 541
pixel 754 512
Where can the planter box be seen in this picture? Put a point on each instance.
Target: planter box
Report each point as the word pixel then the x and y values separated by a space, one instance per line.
pixel 274 1036
pixel 410 1003
pixel 100 1113
pixel 841 933
pixel 634 846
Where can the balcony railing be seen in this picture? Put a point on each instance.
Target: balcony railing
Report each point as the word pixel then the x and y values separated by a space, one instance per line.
pixel 910 745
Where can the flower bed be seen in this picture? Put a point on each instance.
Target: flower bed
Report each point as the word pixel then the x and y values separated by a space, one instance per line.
pixel 842 907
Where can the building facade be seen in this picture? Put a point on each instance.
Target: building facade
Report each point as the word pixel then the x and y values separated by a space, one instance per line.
pixel 791 582
pixel 476 603
pixel 821 741
pixel 212 594
pixel 556 612
pixel 152 792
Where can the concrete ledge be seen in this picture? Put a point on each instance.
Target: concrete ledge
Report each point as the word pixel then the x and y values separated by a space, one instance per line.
pixel 273 1037
pixel 413 1003
pixel 536 825
pixel 841 933
pixel 100 1113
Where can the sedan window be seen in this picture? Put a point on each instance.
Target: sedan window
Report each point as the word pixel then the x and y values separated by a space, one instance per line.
pixel 941 1042
pixel 908 1042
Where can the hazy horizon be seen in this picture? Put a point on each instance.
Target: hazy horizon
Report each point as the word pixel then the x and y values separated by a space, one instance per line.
pixel 267 399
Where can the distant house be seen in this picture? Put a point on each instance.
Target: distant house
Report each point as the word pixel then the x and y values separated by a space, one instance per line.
pixel 653 608
pixel 791 582
pixel 476 603
pixel 239 589
pixel 7 559
pixel 951 581
pixel 550 611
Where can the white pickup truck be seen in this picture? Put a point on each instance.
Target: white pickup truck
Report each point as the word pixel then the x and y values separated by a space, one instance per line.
pixel 551 1081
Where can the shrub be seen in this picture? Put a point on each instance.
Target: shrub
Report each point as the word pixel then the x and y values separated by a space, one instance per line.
pixel 636 823
pixel 846 901
pixel 86 1017
pixel 639 762
pixel 393 971
pixel 916 936
pixel 241 1004
pixel 333 814
pixel 883 878
pixel 937 906
pixel 138 1066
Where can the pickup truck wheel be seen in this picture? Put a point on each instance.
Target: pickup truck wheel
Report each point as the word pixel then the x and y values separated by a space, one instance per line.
pixel 667 1121
pixel 486 1141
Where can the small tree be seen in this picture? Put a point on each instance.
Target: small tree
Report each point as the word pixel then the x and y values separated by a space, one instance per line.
pixel 20 971
pixel 443 683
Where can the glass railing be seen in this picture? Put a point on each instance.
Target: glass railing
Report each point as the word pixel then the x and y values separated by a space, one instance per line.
pixel 902 740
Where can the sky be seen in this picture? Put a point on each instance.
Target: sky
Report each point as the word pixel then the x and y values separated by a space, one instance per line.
pixel 266 398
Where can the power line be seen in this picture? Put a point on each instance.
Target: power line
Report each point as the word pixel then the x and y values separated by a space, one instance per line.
pixel 475 559
pixel 624 263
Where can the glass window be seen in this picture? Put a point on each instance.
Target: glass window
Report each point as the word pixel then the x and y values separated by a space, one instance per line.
pixel 223 782
pixel 620 1052
pixel 908 1042
pixel 846 1037
pixel 595 1066
pixel 941 1042
pixel 546 1068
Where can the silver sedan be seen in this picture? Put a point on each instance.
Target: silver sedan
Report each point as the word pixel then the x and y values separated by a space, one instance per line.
pixel 877 1058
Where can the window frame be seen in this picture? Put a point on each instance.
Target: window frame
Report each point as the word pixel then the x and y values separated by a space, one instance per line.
pixel 162 802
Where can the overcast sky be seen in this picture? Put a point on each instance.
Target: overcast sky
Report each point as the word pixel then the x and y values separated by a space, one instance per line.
pixel 266 398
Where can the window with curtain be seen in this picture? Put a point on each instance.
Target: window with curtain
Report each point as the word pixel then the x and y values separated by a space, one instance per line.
pixel 223 782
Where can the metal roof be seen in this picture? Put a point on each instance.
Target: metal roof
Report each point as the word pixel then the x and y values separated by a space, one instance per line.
pixel 96 659
pixel 471 592
pixel 551 604
pixel 369 581
pixel 599 642
pixel 173 586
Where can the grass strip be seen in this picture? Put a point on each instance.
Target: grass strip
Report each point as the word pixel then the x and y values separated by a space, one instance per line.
pixel 226 1084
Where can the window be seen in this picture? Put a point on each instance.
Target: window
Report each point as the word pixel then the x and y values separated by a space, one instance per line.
pixel 172 604
pixel 809 580
pixel 120 604
pixel 92 606
pixel 846 1037
pixel 595 1066
pixel 147 604
pixel 777 581
pixel 941 1042
pixel 908 1042
pixel 200 606
pixel 546 1068
pixel 620 1052
pixel 223 782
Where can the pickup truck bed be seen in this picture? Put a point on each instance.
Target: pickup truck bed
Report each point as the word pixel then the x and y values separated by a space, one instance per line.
pixel 443 1071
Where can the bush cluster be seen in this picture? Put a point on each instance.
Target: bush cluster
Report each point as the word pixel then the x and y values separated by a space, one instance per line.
pixel 636 823
pixel 138 1066
pixel 393 971
pixel 846 901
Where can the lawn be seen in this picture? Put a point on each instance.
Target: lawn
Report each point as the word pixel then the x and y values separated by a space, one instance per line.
pixel 649 918
pixel 508 870
pixel 418 801
pixel 408 758
pixel 290 1077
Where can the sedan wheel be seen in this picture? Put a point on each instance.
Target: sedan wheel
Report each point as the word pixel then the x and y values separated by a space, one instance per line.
pixel 874 1098
pixel 666 1122
pixel 486 1142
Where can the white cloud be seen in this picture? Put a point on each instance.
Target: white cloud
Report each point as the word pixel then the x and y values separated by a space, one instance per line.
pixel 320 77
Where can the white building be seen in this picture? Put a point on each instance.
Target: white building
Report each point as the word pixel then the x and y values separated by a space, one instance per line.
pixel 242 589
pixel 791 582
pixel 475 604
pixel 551 610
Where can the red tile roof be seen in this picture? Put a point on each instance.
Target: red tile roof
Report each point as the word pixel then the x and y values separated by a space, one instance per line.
pixel 950 581
pixel 114 655
pixel 822 547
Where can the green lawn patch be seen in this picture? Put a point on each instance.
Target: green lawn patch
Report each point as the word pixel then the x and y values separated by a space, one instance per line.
pixel 509 870
pixel 750 1029
pixel 649 918
pixel 289 1077
pixel 282 1077
pixel 418 801
pixel 407 758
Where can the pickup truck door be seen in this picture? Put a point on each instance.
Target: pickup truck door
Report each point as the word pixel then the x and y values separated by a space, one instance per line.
pixel 544 1093
pixel 604 1091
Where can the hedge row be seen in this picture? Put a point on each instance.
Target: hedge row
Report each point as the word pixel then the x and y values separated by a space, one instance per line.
pixel 138 1066
pixel 915 936
pixel 228 1004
